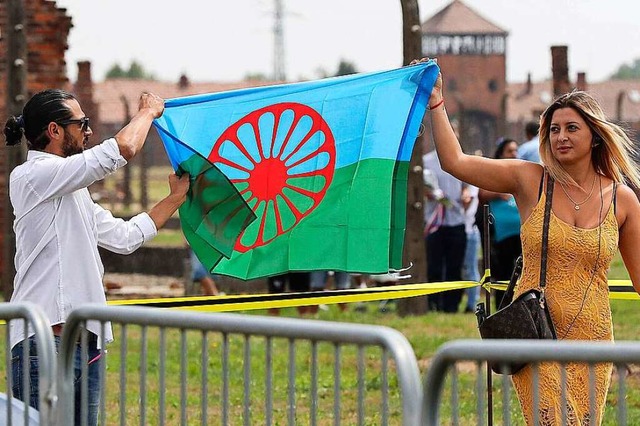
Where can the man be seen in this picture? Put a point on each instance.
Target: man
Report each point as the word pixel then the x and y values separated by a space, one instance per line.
pixel 530 150
pixel 200 274
pixel 59 228
pixel 446 199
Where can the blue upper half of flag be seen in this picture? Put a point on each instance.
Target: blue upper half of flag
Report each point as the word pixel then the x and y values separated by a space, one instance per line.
pixel 350 118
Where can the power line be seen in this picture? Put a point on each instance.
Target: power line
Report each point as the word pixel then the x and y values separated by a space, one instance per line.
pixel 279 73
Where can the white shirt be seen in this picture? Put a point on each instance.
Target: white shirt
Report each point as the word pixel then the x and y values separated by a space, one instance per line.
pixel 58 230
pixel 451 189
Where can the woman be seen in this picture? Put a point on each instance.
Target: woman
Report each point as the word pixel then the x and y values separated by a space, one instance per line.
pixel 505 235
pixel 593 213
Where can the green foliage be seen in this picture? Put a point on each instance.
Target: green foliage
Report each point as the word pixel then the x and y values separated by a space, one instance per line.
pixel 628 71
pixel 135 72
pixel 115 71
pixel 345 68
pixel 255 76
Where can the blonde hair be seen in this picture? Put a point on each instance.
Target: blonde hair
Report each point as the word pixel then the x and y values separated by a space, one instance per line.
pixel 612 150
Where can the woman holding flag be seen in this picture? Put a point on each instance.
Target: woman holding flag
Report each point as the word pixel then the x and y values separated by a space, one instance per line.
pixel 594 213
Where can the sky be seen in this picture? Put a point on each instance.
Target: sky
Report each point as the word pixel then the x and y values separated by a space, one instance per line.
pixel 225 40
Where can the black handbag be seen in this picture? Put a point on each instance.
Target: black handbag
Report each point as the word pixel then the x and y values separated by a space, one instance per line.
pixel 526 317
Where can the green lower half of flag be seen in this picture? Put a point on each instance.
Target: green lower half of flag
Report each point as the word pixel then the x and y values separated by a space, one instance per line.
pixel 358 227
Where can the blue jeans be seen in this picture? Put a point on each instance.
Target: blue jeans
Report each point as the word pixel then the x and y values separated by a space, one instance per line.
pixel 470 267
pixel 93 377
pixel 319 278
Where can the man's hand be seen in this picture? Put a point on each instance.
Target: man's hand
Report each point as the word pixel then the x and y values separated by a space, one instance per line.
pixel 179 186
pixel 162 211
pixel 153 102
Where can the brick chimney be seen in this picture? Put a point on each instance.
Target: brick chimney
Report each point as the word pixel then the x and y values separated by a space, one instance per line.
pixel 529 87
pixel 183 82
pixel 560 70
pixel 83 89
pixel 581 81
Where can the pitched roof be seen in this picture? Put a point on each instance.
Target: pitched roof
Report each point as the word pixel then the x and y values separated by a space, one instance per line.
pixel 458 18
pixel 522 106
pixel 108 94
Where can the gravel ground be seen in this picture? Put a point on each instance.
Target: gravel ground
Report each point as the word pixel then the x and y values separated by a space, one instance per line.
pixel 139 286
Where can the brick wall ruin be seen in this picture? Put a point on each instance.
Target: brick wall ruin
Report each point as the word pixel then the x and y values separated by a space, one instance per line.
pixel 47 28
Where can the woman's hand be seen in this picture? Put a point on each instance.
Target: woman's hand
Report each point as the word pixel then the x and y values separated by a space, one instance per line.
pixel 436 97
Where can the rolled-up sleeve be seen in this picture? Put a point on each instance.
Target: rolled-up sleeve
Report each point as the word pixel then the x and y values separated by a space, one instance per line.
pixel 123 236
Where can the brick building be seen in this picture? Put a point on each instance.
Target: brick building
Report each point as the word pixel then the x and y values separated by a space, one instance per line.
pixel 471 52
pixel 47 27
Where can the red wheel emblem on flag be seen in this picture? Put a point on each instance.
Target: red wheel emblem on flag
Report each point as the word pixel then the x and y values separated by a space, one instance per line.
pixel 281 158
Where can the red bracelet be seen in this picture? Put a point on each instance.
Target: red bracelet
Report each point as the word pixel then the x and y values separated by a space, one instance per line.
pixel 437 105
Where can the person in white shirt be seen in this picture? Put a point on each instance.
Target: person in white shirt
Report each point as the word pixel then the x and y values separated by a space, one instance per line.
pixel 58 227
pixel 530 150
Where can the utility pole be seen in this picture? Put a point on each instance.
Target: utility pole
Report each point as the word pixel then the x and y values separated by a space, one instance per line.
pixel 16 96
pixel 414 247
pixel 126 184
pixel 279 73
pixel 144 181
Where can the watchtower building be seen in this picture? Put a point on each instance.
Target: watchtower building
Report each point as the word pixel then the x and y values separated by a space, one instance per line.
pixel 471 52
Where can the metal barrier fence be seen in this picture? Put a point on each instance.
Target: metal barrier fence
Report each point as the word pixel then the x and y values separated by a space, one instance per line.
pixel 13 411
pixel 621 354
pixel 168 363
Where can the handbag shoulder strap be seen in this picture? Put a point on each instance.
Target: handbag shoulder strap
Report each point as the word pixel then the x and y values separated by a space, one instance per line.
pixel 545 230
pixel 517 270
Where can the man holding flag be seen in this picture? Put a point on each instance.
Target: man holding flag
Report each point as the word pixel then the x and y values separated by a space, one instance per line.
pixel 59 228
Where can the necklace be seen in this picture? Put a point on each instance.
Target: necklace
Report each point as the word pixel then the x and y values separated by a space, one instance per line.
pixel 577 205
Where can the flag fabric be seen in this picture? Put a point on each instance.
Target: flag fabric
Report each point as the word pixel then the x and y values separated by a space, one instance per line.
pixel 213 215
pixel 322 164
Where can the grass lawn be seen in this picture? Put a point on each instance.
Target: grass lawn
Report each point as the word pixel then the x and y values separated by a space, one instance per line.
pixel 425 333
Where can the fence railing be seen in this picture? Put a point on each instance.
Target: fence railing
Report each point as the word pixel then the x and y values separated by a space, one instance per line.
pixel 442 368
pixel 176 367
pixel 302 365
pixel 34 319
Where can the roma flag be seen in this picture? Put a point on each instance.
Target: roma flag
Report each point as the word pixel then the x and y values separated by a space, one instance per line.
pixel 322 165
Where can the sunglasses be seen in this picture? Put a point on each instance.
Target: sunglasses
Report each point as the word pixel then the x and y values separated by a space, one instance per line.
pixel 83 122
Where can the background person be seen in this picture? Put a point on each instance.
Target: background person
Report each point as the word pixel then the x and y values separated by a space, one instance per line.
pixel 341 279
pixel 445 240
pixel 530 150
pixel 200 274
pixel 470 270
pixel 59 228
pixel 295 282
pixel 505 229
pixel 578 146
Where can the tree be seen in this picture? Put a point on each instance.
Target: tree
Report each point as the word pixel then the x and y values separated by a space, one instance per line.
pixel 345 68
pixel 115 72
pixel 255 76
pixel 628 72
pixel 135 72
pixel 414 251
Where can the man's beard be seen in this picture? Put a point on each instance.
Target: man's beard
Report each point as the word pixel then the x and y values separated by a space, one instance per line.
pixel 69 146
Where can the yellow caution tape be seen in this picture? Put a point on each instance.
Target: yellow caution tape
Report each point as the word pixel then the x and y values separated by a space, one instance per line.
pixel 284 300
pixel 618 289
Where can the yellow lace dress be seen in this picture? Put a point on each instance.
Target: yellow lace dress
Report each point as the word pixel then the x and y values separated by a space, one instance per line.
pixel 571 257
